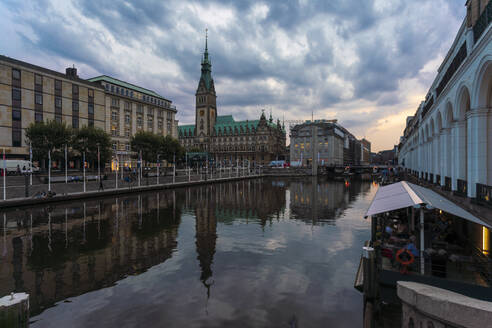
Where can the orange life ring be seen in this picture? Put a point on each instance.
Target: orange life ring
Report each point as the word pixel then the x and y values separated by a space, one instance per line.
pixel 407 262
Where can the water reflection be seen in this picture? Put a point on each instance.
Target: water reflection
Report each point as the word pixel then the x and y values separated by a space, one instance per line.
pixel 231 254
pixel 62 251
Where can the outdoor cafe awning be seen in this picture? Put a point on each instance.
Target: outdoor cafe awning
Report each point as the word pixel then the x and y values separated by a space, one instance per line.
pixel 405 194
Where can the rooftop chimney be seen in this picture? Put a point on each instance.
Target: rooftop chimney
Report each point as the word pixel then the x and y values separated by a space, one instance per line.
pixel 71 72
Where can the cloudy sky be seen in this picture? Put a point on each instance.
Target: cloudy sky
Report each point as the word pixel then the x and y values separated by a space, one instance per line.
pixel 366 63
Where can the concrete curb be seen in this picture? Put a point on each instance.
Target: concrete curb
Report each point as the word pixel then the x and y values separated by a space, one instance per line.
pixel 444 306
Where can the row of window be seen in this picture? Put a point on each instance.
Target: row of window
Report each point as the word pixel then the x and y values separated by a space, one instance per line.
pixel 129 93
pixel 239 148
pixel 115 102
pixel 127 146
pixel 38 85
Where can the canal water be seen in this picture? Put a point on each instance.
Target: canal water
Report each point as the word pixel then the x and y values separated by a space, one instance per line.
pixel 253 253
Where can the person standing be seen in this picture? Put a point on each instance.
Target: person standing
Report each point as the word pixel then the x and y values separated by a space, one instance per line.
pixel 101 186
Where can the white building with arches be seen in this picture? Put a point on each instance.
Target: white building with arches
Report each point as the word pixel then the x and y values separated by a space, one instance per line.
pixel 449 140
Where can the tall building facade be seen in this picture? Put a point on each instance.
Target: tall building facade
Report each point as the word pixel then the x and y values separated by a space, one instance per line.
pixel 327 142
pixel 30 93
pixel 130 109
pixel 449 139
pixel 222 137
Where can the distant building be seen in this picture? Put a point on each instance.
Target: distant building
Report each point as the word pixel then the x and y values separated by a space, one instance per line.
pixel 385 157
pixel 224 139
pixel 322 140
pixel 365 148
pixel 130 109
pixel 30 93
pixel 328 142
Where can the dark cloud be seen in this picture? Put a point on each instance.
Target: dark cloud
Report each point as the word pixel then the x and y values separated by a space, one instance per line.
pixel 295 56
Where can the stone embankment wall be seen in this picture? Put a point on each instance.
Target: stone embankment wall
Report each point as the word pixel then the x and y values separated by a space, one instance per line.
pixel 428 306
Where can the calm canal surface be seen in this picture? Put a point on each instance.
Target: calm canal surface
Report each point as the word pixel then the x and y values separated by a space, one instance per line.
pixel 257 253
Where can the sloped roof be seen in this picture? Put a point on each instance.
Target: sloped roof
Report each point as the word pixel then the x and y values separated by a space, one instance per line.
pixel 186 128
pixel 405 194
pixel 225 122
pixel 126 85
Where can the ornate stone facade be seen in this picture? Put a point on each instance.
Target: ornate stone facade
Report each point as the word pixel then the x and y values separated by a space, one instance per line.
pixel 225 139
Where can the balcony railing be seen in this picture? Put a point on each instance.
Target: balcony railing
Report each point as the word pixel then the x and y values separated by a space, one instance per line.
pixel 453 67
pixel 461 188
pixel 447 183
pixel 484 194
pixel 482 22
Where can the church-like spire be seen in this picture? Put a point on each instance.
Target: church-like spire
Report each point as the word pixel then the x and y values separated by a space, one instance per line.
pixel 206 65
pixel 205 54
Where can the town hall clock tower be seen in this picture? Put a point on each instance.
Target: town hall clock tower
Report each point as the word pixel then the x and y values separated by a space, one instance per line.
pixel 206 106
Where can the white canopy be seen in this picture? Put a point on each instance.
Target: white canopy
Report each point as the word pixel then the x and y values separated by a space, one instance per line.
pixel 404 194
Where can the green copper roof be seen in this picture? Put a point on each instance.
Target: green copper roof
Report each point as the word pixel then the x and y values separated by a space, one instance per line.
pixel 224 119
pixel 127 85
pixel 226 124
pixel 186 128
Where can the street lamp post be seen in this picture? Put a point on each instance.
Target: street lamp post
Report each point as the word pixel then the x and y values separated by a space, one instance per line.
pixel 66 169
pixel 116 177
pixel 174 167
pixel 98 163
pixel 49 170
pixel 158 164
pixel 83 154
pixel 30 159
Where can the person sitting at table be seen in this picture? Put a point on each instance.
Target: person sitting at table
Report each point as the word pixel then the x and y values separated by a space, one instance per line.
pixel 411 246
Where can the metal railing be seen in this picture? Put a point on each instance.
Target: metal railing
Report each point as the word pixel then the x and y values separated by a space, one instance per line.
pixel 482 22
pixel 484 194
pixel 447 183
pixel 461 188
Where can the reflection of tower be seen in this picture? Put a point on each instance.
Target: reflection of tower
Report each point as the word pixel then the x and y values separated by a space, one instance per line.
pixel 206 237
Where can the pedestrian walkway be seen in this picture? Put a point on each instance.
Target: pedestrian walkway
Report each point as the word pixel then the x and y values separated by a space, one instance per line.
pixel 109 190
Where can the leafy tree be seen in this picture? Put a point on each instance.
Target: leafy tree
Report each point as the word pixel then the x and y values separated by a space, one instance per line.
pixel 88 139
pixel 170 147
pixel 49 136
pixel 148 143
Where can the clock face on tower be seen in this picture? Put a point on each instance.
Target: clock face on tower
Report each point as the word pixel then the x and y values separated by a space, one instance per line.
pixel 202 112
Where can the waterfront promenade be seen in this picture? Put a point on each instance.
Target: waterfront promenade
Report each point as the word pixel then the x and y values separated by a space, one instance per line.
pixel 75 190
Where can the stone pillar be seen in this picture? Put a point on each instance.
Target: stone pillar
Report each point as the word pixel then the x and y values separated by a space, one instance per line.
pixel 434 157
pixel 446 154
pixel 419 158
pixel 459 149
pixel 477 122
pixel 442 155
pixel 422 159
pixel 428 160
